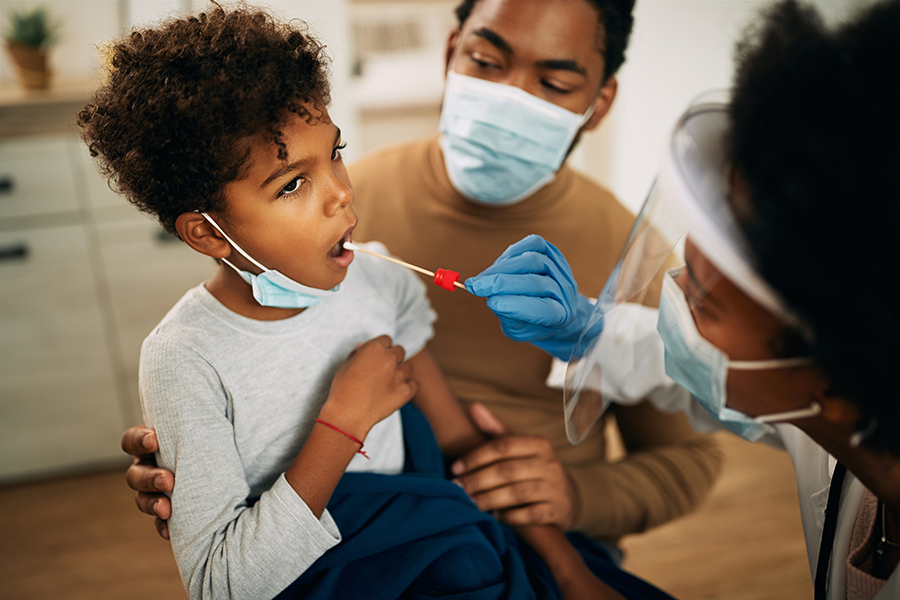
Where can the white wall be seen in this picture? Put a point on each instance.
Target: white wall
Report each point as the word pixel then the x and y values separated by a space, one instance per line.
pixel 679 49
pixel 87 24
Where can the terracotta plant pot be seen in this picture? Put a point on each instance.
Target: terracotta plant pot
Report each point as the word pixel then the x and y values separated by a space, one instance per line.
pixel 31 66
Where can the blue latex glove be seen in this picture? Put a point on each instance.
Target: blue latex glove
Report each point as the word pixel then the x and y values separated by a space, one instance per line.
pixel 531 289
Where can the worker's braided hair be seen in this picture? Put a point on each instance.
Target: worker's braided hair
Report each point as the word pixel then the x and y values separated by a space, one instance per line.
pixel 614 19
pixel 171 124
pixel 816 136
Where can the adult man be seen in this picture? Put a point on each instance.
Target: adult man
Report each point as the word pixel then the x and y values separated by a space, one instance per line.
pixel 457 201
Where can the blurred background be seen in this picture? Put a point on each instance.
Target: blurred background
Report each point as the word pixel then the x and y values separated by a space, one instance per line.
pixel 84 277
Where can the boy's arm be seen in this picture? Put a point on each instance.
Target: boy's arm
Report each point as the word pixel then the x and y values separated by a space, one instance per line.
pixel 452 427
pixel 368 387
pixel 574 578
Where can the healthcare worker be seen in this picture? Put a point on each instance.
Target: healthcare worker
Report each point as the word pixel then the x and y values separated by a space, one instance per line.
pixel 782 321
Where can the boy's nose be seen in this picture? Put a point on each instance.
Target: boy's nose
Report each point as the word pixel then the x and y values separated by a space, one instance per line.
pixel 341 195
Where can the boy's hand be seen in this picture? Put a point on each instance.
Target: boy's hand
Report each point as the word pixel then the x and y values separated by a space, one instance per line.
pixel 149 481
pixel 370 385
pixel 518 477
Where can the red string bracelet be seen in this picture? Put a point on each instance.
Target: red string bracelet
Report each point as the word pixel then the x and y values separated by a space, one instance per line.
pixel 355 439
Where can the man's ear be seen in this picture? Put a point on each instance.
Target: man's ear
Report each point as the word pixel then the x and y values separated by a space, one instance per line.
pixel 199 234
pixel 451 47
pixel 602 103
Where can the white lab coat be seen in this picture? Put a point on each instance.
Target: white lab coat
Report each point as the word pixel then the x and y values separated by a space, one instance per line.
pixel 631 358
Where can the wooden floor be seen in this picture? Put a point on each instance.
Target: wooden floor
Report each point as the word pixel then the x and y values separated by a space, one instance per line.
pixel 82 538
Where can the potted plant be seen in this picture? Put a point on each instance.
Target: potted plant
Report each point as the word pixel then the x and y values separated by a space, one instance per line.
pixel 29 34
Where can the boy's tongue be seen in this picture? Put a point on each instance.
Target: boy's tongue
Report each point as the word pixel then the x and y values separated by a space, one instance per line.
pixel 337 250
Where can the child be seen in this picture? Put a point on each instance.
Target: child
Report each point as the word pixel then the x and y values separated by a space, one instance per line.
pixel 217 126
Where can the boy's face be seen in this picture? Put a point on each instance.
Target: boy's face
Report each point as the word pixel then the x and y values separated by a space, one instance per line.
pixel 548 48
pixel 293 215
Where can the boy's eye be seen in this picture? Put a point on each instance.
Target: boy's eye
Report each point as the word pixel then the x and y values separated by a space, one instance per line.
pixel 336 153
pixel 292 187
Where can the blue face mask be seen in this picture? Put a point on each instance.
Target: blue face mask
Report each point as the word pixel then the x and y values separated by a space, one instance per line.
pixel 701 368
pixel 500 143
pixel 272 288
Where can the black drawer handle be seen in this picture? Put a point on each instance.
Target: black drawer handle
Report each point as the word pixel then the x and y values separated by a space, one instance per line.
pixel 164 237
pixel 14 252
pixel 6 185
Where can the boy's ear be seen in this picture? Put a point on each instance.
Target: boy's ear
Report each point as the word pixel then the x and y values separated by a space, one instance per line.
pixel 602 103
pixel 199 234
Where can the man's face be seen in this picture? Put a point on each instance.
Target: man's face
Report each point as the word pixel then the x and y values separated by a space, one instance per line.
pixel 548 48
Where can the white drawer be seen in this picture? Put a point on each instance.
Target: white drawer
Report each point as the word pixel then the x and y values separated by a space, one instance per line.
pixel 59 407
pixel 37 176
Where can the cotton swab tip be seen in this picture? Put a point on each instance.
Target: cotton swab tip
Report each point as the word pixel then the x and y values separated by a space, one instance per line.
pixel 348 245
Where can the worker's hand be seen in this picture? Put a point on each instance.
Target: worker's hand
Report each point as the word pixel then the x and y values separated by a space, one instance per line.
pixel 149 481
pixel 517 477
pixel 531 289
pixel 370 385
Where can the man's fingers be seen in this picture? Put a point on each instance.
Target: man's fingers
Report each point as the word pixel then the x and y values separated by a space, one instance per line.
pixel 156 505
pixel 485 420
pixel 162 528
pixel 502 473
pixel 541 513
pixel 139 440
pixel 144 478
pixel 500 449
pixel 511 496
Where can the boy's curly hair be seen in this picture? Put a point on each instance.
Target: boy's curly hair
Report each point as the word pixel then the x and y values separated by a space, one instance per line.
pixel 816 135
pixel 170 124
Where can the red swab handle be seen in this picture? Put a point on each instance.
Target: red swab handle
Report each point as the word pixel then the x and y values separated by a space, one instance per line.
pixel 446 279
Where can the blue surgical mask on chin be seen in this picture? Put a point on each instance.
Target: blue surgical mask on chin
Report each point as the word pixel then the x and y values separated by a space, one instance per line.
pixel 701 368
pixel 500 143
pixel 272 288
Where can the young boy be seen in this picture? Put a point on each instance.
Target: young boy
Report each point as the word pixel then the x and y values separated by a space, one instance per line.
pixel 217 125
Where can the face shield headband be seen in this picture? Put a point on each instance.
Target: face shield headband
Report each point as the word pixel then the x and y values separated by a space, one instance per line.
pixel 689 196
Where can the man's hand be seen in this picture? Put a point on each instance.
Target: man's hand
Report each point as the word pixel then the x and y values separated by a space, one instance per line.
pixel 519 478
pixel 143 476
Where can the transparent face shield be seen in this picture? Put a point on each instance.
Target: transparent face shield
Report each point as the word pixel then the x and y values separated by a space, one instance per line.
pixel 689 196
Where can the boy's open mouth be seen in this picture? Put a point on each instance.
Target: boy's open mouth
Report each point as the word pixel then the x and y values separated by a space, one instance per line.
pixel 338 250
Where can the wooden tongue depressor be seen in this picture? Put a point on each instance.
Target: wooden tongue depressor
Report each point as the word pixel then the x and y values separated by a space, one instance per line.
pixel 444 278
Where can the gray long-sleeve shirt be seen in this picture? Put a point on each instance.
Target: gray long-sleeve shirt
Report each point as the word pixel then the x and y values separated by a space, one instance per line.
pixel 233 399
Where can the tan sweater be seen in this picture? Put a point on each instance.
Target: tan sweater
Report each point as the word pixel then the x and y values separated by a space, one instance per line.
pixel 405 200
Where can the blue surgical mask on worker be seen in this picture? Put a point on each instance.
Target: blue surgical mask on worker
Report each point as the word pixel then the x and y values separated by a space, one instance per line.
pixel 500 143
pixel 272 288
pixel 701 368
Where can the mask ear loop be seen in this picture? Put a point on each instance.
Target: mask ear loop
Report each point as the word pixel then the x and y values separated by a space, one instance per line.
pixel 803 413
pixel 859 437
pixel 233 245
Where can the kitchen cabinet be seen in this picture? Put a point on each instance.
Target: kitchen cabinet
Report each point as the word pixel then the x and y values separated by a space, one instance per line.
pixel 83 278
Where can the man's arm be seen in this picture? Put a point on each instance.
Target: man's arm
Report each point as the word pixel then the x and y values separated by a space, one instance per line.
pixel 668 470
